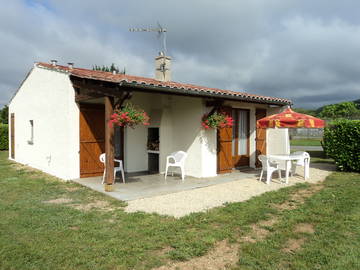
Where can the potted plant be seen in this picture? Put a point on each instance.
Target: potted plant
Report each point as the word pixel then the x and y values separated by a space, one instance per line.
pixel 129 116
pixel 216 120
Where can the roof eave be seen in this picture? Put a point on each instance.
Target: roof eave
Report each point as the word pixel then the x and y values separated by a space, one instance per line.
pixel 184 91
pixel 199 92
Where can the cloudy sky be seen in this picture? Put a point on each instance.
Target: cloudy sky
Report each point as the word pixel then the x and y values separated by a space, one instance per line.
pixel 308 51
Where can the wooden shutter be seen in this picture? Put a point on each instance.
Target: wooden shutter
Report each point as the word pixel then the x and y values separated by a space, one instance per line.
pixel 92 135
pixel 224 146
pixel 260 137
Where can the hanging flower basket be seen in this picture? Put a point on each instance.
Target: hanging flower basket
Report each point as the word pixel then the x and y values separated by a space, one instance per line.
pixel 129 116
pixel 216 120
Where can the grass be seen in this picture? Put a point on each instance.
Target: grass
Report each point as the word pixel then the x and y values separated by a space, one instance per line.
pixel 322 160
pixel 305 142
pixel 39 235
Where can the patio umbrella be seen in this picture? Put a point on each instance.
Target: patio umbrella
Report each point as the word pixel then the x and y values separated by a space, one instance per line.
pixel 290 119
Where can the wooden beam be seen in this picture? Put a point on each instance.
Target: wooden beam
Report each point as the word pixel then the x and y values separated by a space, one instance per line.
pixel 86 96
pixel 109 145
pixel 95 87
pixel 214 103
pixel 121 100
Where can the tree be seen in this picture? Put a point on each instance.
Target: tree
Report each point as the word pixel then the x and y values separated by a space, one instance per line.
pixel 346 110
pixel 305 111
pixel 109 69
pixel 4 115
pixel 357 102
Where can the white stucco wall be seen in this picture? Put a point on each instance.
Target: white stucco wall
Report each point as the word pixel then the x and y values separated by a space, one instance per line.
pixel 187 132
pixel 47 98
pixel 208 142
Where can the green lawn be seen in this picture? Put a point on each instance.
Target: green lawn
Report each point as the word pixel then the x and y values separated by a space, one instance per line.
pixel 322 160
pixel 36 233
pixel 305 142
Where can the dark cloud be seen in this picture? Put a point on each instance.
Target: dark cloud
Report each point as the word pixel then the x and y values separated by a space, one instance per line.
pixel 303 50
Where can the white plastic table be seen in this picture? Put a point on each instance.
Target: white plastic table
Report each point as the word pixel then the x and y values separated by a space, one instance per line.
pixel 288 159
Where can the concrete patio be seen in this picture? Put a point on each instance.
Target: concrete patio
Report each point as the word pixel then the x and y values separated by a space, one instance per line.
pixel 182 203
pixel 140 186
pixel 151 194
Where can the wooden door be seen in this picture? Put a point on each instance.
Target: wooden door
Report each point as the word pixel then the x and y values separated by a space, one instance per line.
pixel 240 138
pixel 224 147
pixel 12 135
pixel 92 139
pixel 260 137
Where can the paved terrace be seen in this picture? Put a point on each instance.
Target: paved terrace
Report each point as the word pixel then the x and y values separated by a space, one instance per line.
pixel 151 194
pixel 140 186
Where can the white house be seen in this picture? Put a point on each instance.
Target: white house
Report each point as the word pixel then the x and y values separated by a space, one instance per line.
pixel 57 123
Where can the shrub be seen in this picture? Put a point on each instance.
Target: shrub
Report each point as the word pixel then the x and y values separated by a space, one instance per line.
pixel 4 137
pixel 342 143
pixel 345 110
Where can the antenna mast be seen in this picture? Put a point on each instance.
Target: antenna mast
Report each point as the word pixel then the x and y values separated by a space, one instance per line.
pixel 161 34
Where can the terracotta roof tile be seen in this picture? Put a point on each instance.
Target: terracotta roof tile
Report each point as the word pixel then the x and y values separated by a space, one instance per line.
pixel 143 81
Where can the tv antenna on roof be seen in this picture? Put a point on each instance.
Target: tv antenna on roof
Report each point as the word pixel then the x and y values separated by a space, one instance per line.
pixel 161 34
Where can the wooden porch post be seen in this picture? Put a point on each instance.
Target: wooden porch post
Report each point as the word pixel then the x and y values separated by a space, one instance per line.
pixel 109 145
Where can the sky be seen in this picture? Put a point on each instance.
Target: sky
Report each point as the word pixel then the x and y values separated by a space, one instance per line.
pixel 307 51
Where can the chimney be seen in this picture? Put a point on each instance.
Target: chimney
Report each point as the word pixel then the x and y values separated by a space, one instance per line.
pixel 162 67
pixel 71 65
pixel 53 62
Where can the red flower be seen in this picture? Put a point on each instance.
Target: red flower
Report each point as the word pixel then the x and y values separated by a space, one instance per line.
pixel 129 116
pixel 205 125
pixel 110 123
pixel 216 120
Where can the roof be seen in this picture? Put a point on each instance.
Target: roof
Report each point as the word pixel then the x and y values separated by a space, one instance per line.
pixel 149 83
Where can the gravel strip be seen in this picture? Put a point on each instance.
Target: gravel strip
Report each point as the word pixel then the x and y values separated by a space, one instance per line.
pixel 199 200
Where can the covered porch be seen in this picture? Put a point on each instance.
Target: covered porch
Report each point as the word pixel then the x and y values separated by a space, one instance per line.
pixel 174 126
pixel 175 117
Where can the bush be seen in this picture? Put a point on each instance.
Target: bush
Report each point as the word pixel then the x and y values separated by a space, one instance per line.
pixel 4 137
pixel 342 143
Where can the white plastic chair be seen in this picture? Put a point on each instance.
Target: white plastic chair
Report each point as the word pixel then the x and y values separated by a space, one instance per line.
pixel 176 159
pixel 268 166
pixel 304 161
pixel 116 169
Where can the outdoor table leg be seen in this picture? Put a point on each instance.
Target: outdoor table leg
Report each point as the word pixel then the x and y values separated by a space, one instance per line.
pixel 306 168
pixel 287 170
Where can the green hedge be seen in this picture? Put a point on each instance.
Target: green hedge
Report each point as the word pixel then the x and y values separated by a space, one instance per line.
pixel 4 137
pixel 342 143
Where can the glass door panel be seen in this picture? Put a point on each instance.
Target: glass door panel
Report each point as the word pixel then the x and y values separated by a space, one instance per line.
pixel 243 117
pixel 234 132
pixel 240 137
